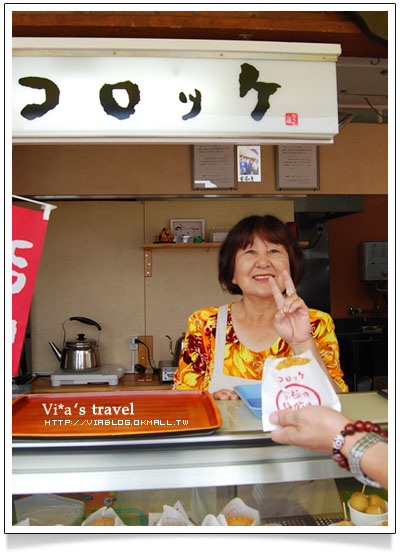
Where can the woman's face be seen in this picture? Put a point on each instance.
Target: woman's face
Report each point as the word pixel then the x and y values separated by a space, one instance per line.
pixel 256 263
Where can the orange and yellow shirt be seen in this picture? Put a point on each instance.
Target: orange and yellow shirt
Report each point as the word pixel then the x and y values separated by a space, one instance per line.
pixel 197 358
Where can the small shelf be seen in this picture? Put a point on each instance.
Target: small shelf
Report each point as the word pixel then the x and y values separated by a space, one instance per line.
pixel 148 249
pixel 172 245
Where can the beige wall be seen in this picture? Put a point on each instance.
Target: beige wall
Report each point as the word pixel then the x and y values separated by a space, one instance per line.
pixel 92 262
pixel 355 163
pixel 92 265
pixel 89 267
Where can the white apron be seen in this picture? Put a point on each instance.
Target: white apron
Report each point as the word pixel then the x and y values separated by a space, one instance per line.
pixel 218 379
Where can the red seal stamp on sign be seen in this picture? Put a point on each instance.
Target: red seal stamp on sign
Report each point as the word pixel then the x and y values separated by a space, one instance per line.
pixel 291 119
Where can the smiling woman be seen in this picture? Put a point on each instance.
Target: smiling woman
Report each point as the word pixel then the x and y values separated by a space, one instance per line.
pixel 257 264
pixel 267 228
pixel 227 346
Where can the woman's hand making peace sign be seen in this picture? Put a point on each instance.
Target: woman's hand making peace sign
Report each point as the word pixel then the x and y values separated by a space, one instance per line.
pixel 292 320
pixel 292 323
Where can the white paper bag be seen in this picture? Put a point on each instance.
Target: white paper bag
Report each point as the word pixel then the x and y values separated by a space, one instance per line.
pixel 293 383
pixel 171 516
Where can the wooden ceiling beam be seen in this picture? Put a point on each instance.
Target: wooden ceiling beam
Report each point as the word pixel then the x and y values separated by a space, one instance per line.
pixel 287 26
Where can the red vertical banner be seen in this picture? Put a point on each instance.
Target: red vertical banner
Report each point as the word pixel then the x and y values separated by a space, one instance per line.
pixel 28 232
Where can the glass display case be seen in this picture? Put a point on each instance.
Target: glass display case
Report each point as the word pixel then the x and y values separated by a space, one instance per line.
pixel 238 459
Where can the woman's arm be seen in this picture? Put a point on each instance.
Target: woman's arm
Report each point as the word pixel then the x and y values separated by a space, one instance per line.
pixel 193 371
pixel 292 323
pixel 312 346
pixel 193 365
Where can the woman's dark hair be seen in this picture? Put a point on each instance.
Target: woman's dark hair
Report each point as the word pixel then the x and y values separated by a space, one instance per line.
pixel 242 234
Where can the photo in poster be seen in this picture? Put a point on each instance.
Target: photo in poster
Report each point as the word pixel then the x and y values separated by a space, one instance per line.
pixel 249 163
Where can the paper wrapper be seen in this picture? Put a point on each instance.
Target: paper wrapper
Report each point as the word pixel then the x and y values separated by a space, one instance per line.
pixel 212 520
pixel 293 383
pixel 235 513
pixel 24 522
pixel 171 516
pixel 106 513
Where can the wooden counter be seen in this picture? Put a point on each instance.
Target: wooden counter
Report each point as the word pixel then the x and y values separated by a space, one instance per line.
pixel 128 382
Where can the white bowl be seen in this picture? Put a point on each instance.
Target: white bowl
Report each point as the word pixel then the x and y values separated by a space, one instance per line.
pixel 364 519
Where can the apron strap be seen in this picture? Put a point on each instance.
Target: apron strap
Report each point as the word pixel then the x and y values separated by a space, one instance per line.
pixel 218 379
pixel 220 339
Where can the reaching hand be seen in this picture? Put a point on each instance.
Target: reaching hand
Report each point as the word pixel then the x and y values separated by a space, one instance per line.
pixel 292 320
pixel 312 427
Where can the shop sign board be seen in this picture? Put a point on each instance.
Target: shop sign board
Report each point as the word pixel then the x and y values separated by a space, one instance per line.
pixel 155 90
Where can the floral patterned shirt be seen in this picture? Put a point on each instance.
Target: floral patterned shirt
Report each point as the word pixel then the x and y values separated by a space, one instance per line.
pixel 197 358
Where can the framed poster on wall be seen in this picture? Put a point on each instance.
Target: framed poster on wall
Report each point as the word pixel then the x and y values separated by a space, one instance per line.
pixel 297 167
pixel 214 167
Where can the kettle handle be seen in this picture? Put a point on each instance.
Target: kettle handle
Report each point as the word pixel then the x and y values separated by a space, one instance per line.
pixel 82 320
pixel 86 320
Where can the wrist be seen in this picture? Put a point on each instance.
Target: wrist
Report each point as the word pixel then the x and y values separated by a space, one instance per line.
pixel 348 451
pixel 301 347
pixel 350 441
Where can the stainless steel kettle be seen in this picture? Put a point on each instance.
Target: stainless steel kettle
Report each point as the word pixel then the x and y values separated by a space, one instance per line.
pixel 176 354
pixel 81 354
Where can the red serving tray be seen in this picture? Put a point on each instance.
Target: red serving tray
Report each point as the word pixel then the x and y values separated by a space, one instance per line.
pixel 119 413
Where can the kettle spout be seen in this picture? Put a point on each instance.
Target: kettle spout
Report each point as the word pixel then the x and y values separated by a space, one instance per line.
pixel 55 350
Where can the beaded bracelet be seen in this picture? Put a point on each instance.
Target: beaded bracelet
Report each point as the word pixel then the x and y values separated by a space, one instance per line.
pixel 350 429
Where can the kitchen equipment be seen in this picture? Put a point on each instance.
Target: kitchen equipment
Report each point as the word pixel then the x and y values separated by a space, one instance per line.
pixel 176 354
pixel 371 329
pixel 167 370
pixel 218 236
pixel 114 414
pixel 105 374
pixel 80 354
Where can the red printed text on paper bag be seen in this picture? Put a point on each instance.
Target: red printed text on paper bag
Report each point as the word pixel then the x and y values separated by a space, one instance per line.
pixel 28 232
pixel 292 383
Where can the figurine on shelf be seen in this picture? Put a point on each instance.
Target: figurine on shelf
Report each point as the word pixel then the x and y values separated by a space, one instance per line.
pixel 166 236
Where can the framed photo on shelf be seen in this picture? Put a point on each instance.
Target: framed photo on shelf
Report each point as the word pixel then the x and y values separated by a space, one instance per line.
pixel 187 227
